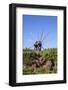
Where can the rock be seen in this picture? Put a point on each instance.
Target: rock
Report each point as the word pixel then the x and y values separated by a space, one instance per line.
pixel 48 64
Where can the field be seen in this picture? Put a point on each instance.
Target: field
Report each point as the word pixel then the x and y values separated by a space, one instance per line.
pixel 39 62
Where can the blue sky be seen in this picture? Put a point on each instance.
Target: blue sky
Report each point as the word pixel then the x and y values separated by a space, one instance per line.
pixel 36 26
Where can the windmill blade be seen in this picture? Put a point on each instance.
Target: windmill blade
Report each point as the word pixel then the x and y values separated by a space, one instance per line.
pixel 31 41
pixel 37 37
pixel 41 36
pixel 45 37
pixel 31 47
pixel 42 48
pixel 30 44
pixel 47 43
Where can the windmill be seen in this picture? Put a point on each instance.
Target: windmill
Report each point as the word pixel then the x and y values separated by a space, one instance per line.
pixel 38 43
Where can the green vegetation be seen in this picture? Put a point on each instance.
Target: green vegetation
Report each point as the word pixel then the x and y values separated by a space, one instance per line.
pixel 39 62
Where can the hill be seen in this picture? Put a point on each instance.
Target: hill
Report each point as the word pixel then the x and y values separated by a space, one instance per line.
pixel 35 62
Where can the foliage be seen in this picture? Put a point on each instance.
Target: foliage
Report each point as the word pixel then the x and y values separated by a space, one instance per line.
pixel 28 58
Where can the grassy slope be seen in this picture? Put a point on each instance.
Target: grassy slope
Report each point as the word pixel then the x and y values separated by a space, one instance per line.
pixel 50 54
